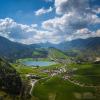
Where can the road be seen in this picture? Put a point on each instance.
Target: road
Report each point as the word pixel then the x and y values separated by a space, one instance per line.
pixel 33 82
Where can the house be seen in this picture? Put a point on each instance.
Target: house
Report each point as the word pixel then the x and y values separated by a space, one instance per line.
pixel 97 61
pixel 31 76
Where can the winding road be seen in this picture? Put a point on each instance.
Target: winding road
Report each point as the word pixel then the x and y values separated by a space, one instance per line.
pixel 33 82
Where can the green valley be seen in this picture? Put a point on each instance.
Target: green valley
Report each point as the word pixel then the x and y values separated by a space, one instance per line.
pixel 72 74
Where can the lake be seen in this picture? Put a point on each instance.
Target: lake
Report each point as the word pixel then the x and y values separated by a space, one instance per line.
pixel 38 63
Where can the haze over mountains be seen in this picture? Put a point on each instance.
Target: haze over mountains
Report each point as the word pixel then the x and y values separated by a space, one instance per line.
pixel 17 50
pixel 14 49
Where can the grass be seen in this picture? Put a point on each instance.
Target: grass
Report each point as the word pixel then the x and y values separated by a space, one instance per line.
pixel 58 89
pixel 89 75
pixel 32 59
pixel 56 54
pixel 79 66
pixel 23 70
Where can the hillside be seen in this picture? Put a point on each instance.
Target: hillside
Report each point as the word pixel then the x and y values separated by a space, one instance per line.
pixel 15 50
pixel 10 80
pixel 40 53
pixel 54 53
pixel 89 43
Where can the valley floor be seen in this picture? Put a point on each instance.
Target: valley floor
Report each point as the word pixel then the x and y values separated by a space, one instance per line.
pixel 58 82
pixel 66 82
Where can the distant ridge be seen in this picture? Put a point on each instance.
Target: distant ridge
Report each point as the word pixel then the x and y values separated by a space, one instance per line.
pixel 12 50
pixel 15 50
pixel 89 43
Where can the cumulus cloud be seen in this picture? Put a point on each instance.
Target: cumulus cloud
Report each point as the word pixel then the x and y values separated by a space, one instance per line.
pixel 98 33
pixel 70 22
pixel 10 28
pixel 97 11
pixel 83 33
pixel 76 16
pixel 73 19
pixel 43 11
pixel 26 34
pixel 64 6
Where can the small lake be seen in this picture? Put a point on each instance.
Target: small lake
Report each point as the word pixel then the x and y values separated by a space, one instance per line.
pixel 38 63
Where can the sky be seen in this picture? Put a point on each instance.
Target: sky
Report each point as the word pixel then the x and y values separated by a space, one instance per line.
pixel 54 21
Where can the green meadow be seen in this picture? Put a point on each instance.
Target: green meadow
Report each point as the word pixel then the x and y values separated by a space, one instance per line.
pixel 57 88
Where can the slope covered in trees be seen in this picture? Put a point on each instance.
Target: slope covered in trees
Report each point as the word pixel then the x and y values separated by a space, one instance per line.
pixel 10 80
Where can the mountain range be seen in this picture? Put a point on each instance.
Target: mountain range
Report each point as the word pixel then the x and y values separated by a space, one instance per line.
pixel 12 50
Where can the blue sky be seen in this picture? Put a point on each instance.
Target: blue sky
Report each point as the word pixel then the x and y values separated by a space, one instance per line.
pixel 55 21
pixel 23 10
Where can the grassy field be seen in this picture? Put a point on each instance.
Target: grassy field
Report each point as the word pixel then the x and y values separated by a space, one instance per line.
pixel 23 70
pixel 56 88
pixel 33 59
pixel 88 74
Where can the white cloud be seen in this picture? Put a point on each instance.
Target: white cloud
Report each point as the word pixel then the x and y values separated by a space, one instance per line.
pixel 48 0
pixel 65 6
pixel 97 11
pixel 34 25
pixel 98 33
pixel 58 23
pixel 74 19
pixel 82 33
pixel 15 31
pixel 25 33
pixel 43 11
pixel 59 6
pixel 69 22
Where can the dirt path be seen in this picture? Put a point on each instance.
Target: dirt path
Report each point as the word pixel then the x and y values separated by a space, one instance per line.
pixel 33 82
pixel 82 85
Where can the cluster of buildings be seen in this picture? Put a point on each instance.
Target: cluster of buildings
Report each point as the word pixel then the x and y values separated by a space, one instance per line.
pixel 53 72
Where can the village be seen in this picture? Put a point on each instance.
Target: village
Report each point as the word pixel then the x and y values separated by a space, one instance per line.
pixel 65 73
